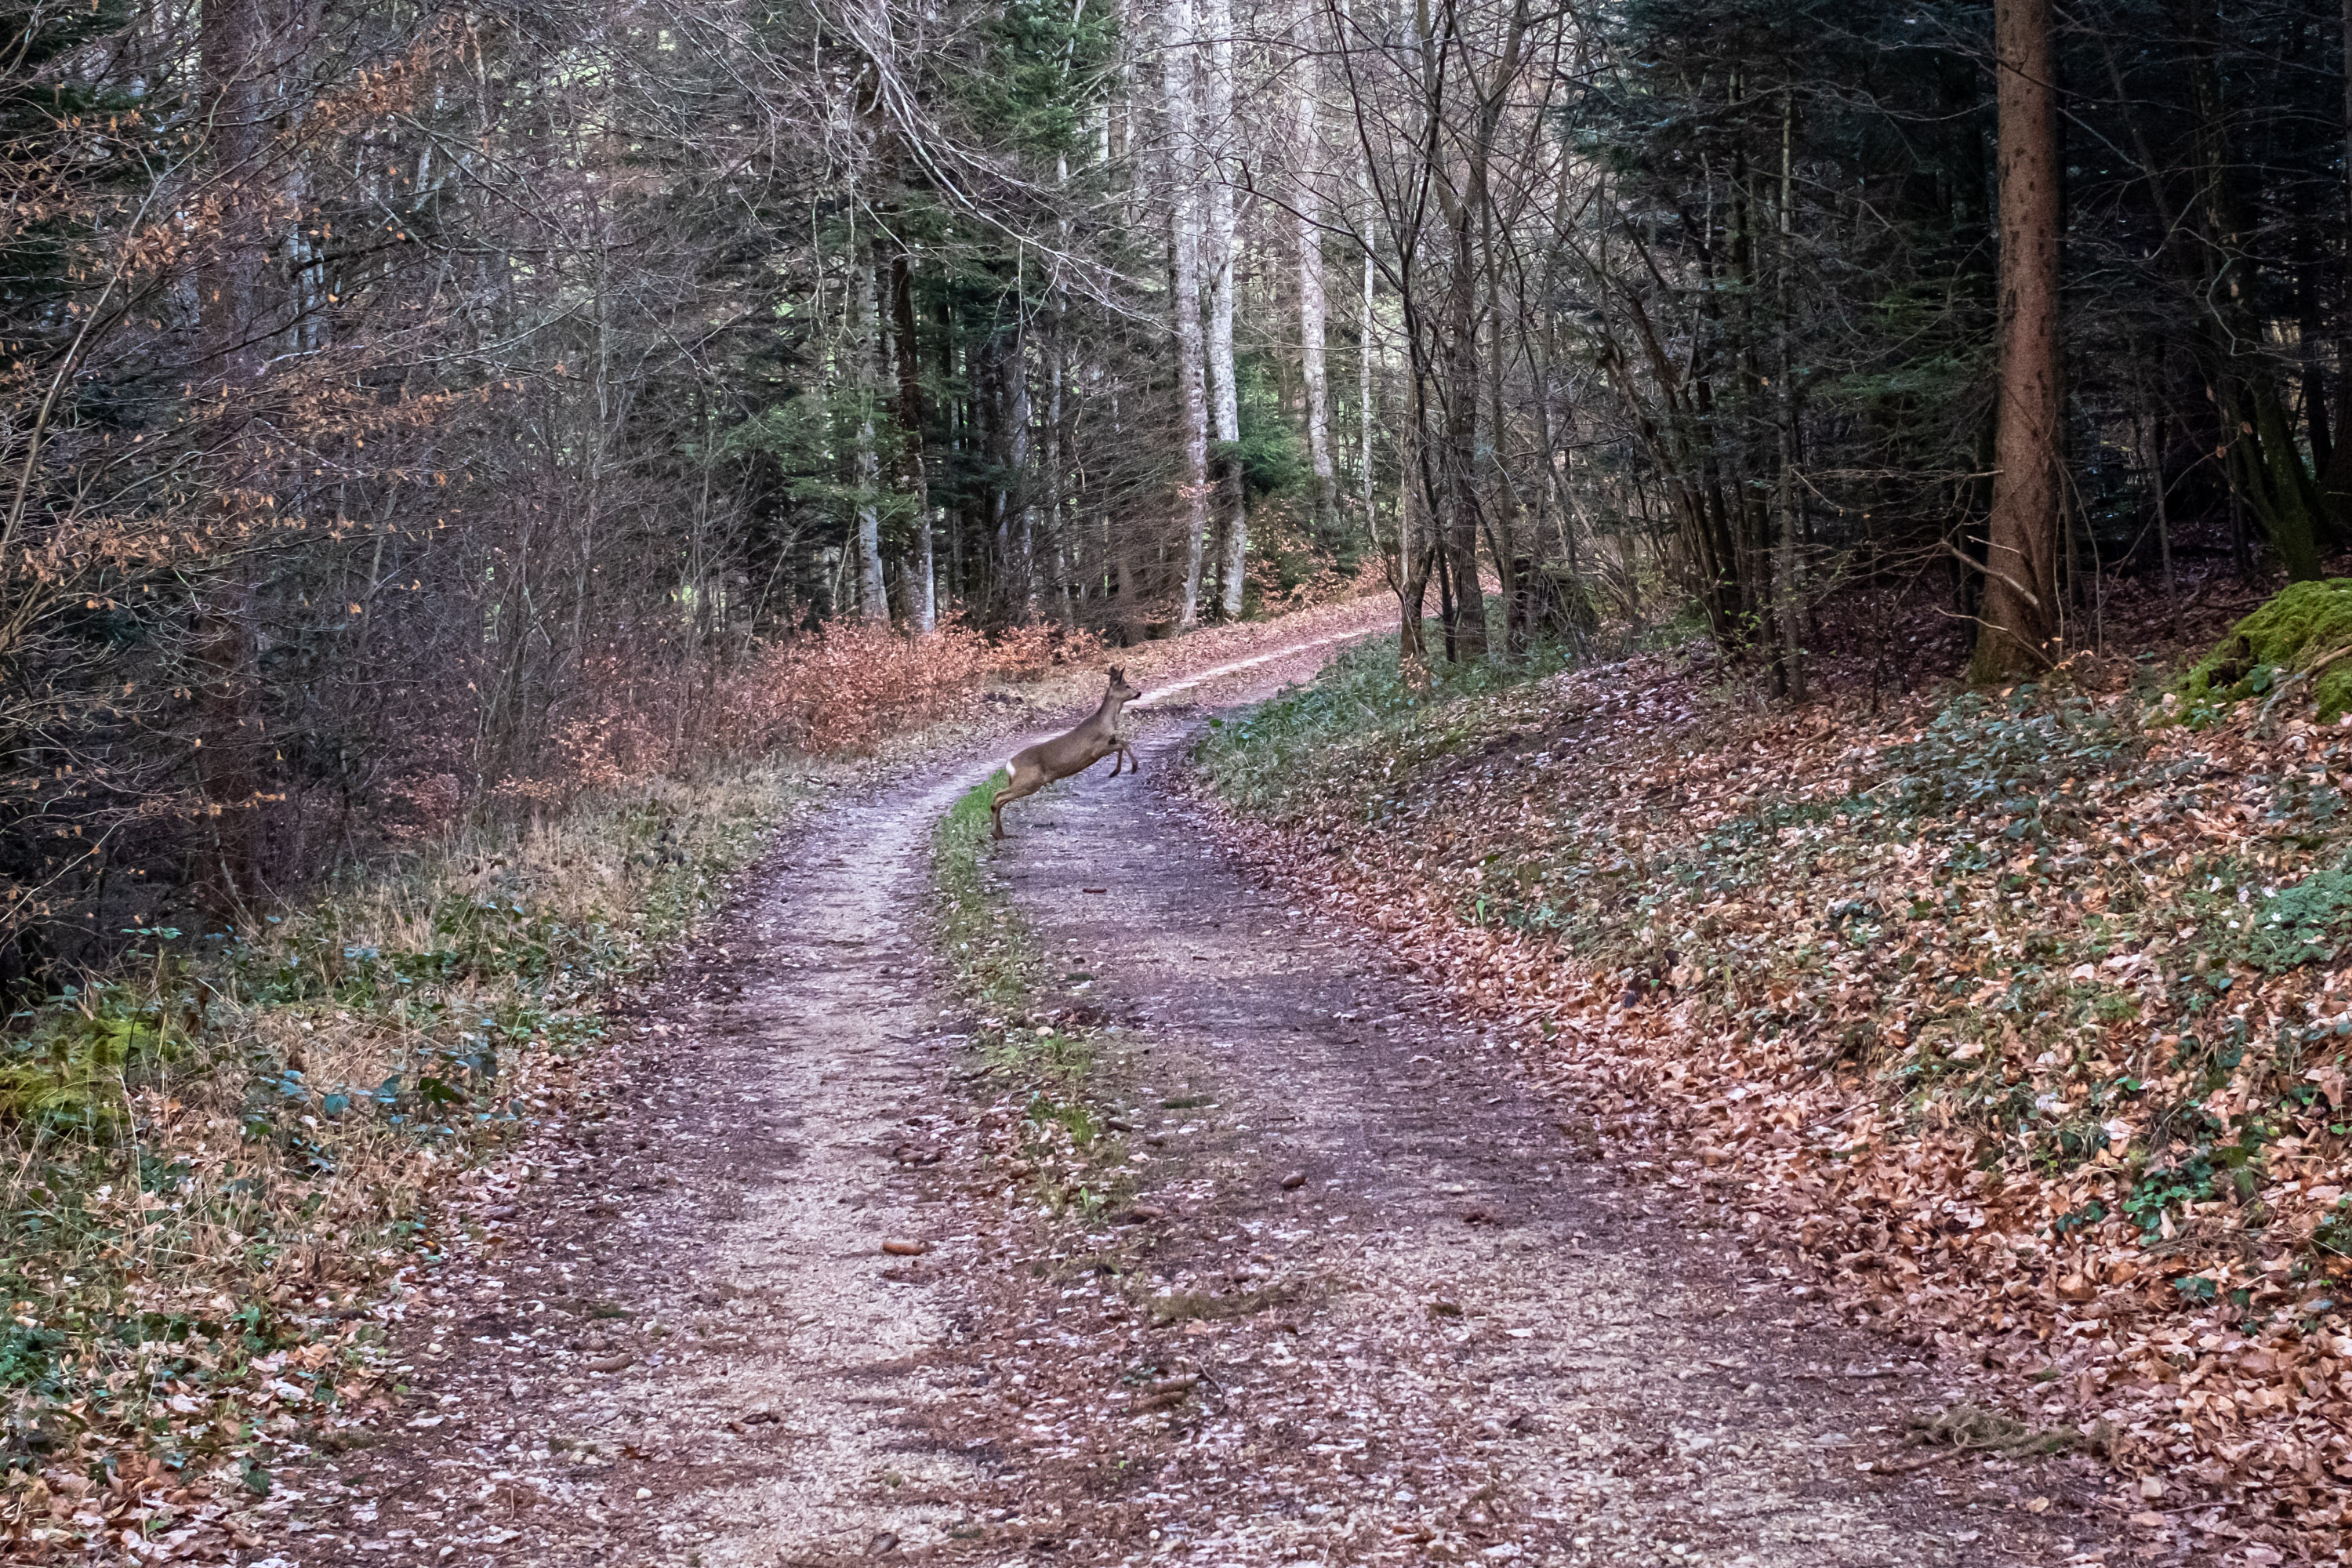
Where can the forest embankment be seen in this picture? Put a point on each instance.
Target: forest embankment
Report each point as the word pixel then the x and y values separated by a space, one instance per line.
pixel 2017 1018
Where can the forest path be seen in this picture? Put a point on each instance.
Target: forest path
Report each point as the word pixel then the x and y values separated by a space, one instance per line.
pixel 1372 1307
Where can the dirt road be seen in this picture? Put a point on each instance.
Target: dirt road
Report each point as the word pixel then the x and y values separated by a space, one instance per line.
pixel 1372 1305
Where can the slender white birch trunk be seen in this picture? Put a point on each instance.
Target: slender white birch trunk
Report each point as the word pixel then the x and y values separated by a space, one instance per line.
pixel 1056 367
pixel 1184 302
pixel 1020 417
pixel 1217 134
pixel 1314 309
pixel 927 583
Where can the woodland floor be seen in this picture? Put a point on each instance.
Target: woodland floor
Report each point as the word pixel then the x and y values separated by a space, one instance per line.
pixel 1360 1296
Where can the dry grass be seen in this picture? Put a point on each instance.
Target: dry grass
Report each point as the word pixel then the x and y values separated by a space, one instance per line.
pixel 1204 1306
pixel 1973 1429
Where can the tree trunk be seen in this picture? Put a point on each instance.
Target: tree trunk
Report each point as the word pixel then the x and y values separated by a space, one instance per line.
pixel 1056 500
pixel 236 89
pixel 1313 307
pixel 2019 615
pixel 1789 563
pixel 1217 132
pixel 1466 209
pixel 1184 302
pixel 1416 541
pixel 1020 415
pixel 1366 354
pixel 2336 480
pixel 1366 403
pixel 865 349
pixel 1465 626
pixel 2266 467
pixel 922 584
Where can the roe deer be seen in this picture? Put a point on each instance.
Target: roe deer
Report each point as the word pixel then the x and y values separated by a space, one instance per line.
pixel 1035 767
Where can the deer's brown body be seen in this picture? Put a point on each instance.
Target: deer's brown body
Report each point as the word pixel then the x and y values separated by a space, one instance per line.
pixel 1035 767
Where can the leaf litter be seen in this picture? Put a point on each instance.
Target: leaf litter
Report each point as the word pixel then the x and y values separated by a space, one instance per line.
pixel 2019 1022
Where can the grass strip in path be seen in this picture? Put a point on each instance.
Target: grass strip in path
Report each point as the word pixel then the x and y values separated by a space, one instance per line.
pixel 1041 1059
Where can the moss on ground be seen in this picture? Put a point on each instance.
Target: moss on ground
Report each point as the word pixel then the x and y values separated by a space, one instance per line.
pixel 2305 633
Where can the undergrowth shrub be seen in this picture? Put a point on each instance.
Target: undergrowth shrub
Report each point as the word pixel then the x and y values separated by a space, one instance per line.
pixel 849 687
pixel 73 1074
pixel 845 689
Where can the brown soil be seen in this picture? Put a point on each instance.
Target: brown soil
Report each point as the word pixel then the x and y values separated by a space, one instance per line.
pixel 1378 1303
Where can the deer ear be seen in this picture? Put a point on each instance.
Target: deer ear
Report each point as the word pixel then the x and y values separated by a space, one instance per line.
pixel 1118 676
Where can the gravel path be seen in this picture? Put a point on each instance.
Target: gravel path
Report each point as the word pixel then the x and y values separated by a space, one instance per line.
pixel 1368 1302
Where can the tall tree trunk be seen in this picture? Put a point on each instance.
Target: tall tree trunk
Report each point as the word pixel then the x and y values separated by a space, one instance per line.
pixel 1056 500
pixel 1505 514
pixel 1185 301
pixel 2336 482
pixel 1789 562
pixel 865 349
pixel 2310 337
pixel 236 89
pixel 2019 613
pixel 1416 538
pixel 1123 546
pixel 922 582
pixel 2151 456
pixel 1061 507
pixel 1020 415
pixel 1314 309
pixel 1225 396
pixel 1365 402
pixel 1465 211
pixel 1466 628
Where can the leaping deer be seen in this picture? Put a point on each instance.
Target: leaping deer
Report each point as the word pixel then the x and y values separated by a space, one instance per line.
pixel 1035 767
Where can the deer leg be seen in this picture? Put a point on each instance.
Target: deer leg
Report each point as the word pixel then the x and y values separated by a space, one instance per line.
pixel 1127 754
pixel 1021 785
